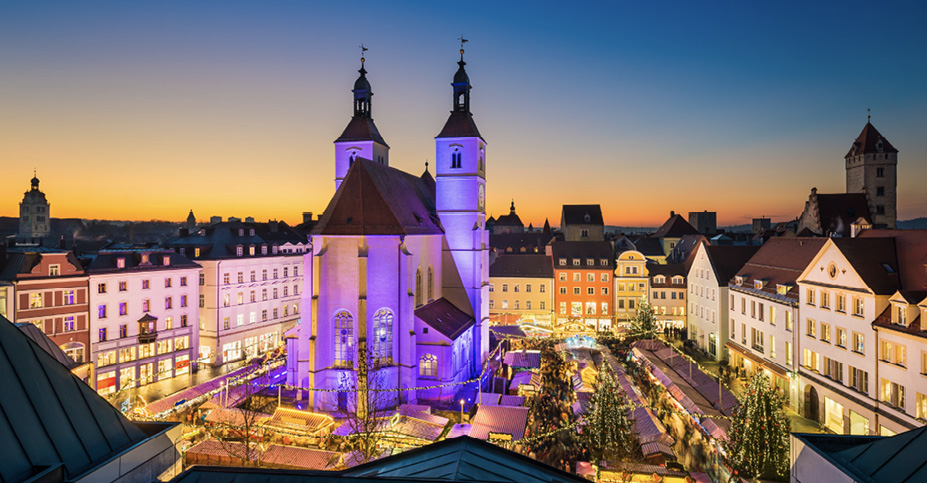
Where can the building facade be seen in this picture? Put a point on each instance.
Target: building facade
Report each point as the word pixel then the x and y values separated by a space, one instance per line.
pixel 34 213
pixel 631 283
pixel 583 273
pixel 872 169
pixel 249 288
pixel 144 322
pixel 48 287
pixel 521 289
pixel 668 294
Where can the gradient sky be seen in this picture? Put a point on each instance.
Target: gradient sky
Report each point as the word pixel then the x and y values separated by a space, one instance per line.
pixel 145 109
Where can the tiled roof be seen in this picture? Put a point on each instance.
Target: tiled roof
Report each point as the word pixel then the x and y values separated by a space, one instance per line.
pixel 727 260
pixel 838 211
pixel 50 416
pixel 649 247
pixel 583 250
pixel 296 457
pixel 378 200
pixel 779 261
pixel 105 261
pixel 443 316
pixel 522 265
pixel 868 142
pixel 523 358
pixel 509 220
pixel 874 259
pixel 459 125
pixel 23 260
pixel 914 327
pixel 361 128
pixel 531 242
pixel 911 250
pixel 576 215
pixel 220 240
pixel 510 400
pixel 675 227
pixel 499 419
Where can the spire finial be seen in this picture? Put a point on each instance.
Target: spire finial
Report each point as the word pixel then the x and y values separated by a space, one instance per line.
pixel 868 114
pixel 426 165
pixel 462 42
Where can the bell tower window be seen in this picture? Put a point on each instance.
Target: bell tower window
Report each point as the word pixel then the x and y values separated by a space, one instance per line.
pixel 456 159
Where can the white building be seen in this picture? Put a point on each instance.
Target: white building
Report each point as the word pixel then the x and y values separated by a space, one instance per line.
pixel 711 269
pixel 862 352
pixel 143 316
pixel 764 309
pixel 249 289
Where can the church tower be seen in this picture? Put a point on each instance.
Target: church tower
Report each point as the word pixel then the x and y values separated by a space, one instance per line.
pixel 460 179
pixel 34 213
pixel 360 138
pixel 872 168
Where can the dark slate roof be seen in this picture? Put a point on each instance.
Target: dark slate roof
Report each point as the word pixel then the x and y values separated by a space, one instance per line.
pixel 596 250
pixel 36 335
pixel 779 261
pixel 868 141
pixel 105 261
pixel 445 317
pixel 911 250
pixel 874 259
pixel 460 125
pixel 675 227
pixel 219 240
pixel 649 247
pixel 511 219
pixel 24 259
pixel 48 416
pixel 378 200
pixel 576 215
pixel 522 265
pixel 361 128
pixel 895 459
pixel 517 241
pixel 727 260
pixel 464 459
pixel 839 211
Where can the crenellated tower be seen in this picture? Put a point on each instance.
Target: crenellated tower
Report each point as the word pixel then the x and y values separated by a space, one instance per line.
pixel 360 138
pixel 460 178
pixel 872 168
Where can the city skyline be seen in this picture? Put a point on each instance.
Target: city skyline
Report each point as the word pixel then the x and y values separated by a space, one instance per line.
pixel 740 111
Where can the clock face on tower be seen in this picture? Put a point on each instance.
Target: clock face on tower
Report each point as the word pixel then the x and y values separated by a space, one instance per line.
pixel 482 198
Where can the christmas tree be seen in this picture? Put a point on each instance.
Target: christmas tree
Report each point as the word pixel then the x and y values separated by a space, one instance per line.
pixel 608 432
pixel 550 412
pixel 758 442
pixel 644 324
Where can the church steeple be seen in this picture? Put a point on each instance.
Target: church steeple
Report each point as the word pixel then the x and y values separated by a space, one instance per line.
pixel 461 87
pixel 360 139
pixel 363 95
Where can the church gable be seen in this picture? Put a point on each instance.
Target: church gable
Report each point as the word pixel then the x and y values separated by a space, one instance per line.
pixel 379 200
pixel 445 317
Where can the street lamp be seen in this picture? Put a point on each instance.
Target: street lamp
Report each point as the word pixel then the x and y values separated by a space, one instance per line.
pixel 461 411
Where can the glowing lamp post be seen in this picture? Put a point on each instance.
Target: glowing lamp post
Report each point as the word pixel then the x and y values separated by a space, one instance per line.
pixel 461 411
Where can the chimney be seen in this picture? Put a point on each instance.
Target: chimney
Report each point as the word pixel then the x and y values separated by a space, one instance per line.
pixel 273 226
pixel 61 243
pixel 249 219
pixel 672 213
pixel 307 217
pixel 215 219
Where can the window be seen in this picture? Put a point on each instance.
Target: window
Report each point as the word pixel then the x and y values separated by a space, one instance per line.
pixel 841 302
pixel 123 308
pixel 542 305
pixel 456 159
pixel 604 308
pixel 590 291
pixel 123 286
pixel 899 315
pixel 123 331
pixel 577 277
pixel 241 297
pixel 762 310
pixel 811 330
pixel 590 308
pixel 880 172
pixel 505 304
pixel 576 291
pixel 168 302
pixel 239 251
pixel 101 334
pixel 225 323
pixel 894 353
pixel 810 296
pixel 604 290
pixel 428 366
pixel 772 315
pixel 183 320
pixel 225 278
pixel 167 283
pixel 145 284
pixel 286 272
pixel 590 277
pixel 517 305
pixel 505 287
pixel 101 311
pixel 859 343
pixel 543 288
pixel 563 262
pixel 858 306
pixel 418 287
pixel 757 338
pixel 183 281
pixel 575 262
pixel 343 323
pixel 383 336
pixel 275 274
pixel 833 369
pixel 584 233
pixel 239 320
pixel 788 320
pixel 892 393
pixel 825 332
pixel 527 304
pixel 859 380
pixel 168 323
pixel 810 360
pixel 492 287
pixel 590 262
pixel 563 290
pixel 54 270
pixel 563 276
pixel 101 288
pixel 527 288
pixel 264 274
pixel 69 324
pixel 492 304
pixel 788 353
pixel 241 277
pixel 825 299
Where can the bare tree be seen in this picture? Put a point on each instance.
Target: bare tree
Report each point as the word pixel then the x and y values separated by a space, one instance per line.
pixel 370 402
pixel 239 431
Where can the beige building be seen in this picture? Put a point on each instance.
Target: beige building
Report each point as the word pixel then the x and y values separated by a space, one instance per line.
pixel 668 294
pixel 521 290
pixel 631 283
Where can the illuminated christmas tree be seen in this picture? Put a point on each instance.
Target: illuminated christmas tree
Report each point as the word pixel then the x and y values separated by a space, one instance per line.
pixel 550 415
pixel 608 431
pixel 644 324
pixel 758 442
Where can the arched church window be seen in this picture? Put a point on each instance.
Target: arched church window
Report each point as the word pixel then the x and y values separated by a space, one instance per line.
pixel 428 366
pixel 418 287
pixel 455 159
pixel 343 323
pixel 351 160
pixel 383 336
pixel 431 284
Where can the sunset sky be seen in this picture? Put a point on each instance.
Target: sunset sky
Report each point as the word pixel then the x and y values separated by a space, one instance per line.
pixel 145 109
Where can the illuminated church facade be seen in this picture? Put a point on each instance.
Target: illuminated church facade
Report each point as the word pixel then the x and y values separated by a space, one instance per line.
pixel 397 276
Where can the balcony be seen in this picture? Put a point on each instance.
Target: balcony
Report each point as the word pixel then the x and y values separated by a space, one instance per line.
pixel 147 329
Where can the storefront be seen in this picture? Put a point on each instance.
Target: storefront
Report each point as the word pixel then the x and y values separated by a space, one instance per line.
pixel 833 415
pixel 106 383
pixel 182 365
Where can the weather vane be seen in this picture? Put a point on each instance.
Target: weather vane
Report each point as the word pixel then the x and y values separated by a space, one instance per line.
pixel 462 42
pixel 363 49
pixel 868 114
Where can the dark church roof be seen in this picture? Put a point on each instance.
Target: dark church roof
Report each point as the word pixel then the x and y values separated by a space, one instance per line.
pixel 445 317
pixel 460 125
pixel 361 128
pixel 675 227
pixel 868 142
pixel 33 332
pixel 49 417
pixel 896 459
pixel 378 200
pixel 577 215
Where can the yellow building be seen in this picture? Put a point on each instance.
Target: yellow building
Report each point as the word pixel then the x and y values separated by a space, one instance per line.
pixel 521 290
pixel 631 283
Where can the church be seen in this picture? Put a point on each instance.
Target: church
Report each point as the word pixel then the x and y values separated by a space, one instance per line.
pixel 397 276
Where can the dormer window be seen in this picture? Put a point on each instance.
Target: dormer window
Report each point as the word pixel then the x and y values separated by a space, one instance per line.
pixel 241 232
pixel 167 260
pixel 677 280
pixel 587 218
pixel 590 262
pixel 759 284
pixel 783 289
pixel 899 314
pixel 659 279
pixel 563 262
pixel 603 262
pixel 251 250
pixel 121 262
pixel 251 232
pixel 145 259
pixel 263 249
pixel 196 252
pixel 239 250
pixel 274 250
pixel 54 270
pixel 739 280
pixel 575 262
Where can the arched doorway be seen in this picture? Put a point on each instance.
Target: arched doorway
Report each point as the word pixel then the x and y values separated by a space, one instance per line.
pixel 812 405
